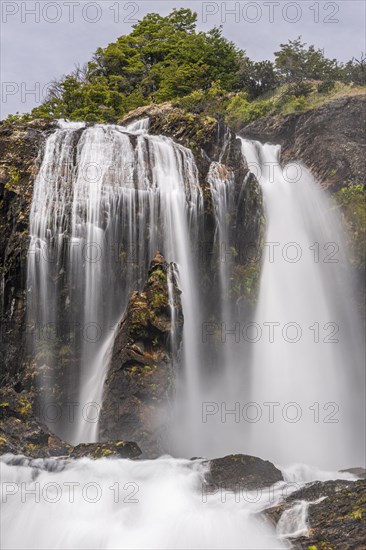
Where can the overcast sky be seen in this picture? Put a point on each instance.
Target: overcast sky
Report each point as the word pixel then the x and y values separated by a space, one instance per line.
pixel 42 40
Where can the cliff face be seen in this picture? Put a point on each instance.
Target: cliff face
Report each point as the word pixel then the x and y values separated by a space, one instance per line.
pixel 20 154
pixel 330 140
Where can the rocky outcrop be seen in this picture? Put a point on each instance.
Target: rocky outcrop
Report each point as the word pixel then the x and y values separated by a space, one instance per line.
pixel 237 472
pixel 140 383
pixel 336 515
pixel 330 140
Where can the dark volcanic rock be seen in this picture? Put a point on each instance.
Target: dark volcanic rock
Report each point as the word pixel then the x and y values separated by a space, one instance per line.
pixel 115 449
pixel 337 522
pixel 330 140
pixel 236 472
pixel 140 382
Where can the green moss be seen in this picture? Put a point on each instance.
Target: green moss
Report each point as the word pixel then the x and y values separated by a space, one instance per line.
pixel 14 177
pixel 30 447
pixel 245 284
pixel 106 452
pixel 357 514
pixel 24 406
pixel 158 275
pixel 142 369
pixel 149 368
pixel 139 316
pixel 159 300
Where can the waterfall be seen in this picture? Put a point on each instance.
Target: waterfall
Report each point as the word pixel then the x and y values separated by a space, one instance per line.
pixel 105 199
pixel 306 370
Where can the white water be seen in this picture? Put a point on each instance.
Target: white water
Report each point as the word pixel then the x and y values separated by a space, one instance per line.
pixel 110 503
pixel 324 379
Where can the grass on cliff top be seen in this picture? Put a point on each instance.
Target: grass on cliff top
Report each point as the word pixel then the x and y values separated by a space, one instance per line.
pixel 238 110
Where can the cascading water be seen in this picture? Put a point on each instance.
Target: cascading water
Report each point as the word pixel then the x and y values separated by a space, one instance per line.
pixel 106 198
pixel 307 362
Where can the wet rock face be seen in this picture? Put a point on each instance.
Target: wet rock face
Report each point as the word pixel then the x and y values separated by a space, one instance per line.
pixel 140 382
pixel 338 521
pixel 330 140
pixel 20 147
pixel 236 472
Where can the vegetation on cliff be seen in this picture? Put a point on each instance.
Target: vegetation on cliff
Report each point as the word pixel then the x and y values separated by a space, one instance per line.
pixel 167 59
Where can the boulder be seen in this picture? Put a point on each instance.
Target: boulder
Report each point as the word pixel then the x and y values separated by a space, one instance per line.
pixel 236 472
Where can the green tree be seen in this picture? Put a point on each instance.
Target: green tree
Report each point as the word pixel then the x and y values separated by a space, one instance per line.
pixel 163 58
pixel 295 62
pixel 355 71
